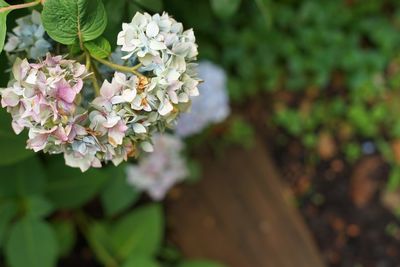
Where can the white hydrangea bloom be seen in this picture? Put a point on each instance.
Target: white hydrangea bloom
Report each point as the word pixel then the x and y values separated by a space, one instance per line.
pixel 166 52
pixel 212 106
pixel 28 37
pixel 158 171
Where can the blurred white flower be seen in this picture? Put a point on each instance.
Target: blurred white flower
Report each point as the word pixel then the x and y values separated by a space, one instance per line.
pixel 158 171
pixel 211 106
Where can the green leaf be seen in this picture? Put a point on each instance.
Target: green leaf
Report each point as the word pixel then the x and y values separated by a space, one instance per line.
pixel 69 188
pixel 151 5
pixel 117 195
pixel 12 146
pixel 66 236
pixel 100 244
pixel 136 261
pixel 38 207
pixel 138 233
pixel 8 210
pixel 116 14
pixel 394 179
pixel 31 243
pixel 225 8
pixel 99 48
pixel 3 25
pixel 69 20
pixel 22 179
pixel 200 263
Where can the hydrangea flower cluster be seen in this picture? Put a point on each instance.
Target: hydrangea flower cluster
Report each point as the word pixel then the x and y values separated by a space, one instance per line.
pixel 48 99
pixel 212 106
pixel 28 38
pixel 157 172
pixel 166 52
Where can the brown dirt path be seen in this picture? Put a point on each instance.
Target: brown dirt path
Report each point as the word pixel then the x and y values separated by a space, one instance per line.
pixel 241 214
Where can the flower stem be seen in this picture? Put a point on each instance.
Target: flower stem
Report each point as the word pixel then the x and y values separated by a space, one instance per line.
pixel 93 76
pixel 119 67
pixel 20 6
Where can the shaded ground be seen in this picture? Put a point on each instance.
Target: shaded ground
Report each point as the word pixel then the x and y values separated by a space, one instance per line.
pixel 344 208
pixel 240 214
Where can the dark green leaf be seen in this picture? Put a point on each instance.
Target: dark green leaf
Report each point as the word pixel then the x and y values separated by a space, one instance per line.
pixel 22 179
pixel 200 263
pixel 67 21
pixel 3 24
pixel 12 146
pixel 136 261
pixel 38 206
pixel 99 48
pixel 117 195
pixel 66 236
pixel 151 5
pixel 138 233
pixel 31 243
pixel 225 8
pixel 100 244
pixel 8 209
pixel 69 188
pixel 116 14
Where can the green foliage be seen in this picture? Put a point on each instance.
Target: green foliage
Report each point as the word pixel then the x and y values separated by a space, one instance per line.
pixel 225 8
pixel 67 21
pixel 3 25
pixel 69 188
pixel 138 233
pixel 11 145
pixel 31 243
pixel 200 263
pixel 8 210
pixel 25 178
pixel 66 236
pixel 143 262
pixel 100 47
pixel 117 195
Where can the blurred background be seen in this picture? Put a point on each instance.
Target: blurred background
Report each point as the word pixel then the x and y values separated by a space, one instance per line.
pixel 292 154
pixel 315 83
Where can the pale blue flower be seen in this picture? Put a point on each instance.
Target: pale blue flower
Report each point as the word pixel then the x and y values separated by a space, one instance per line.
pixel 28 38
pixel 211 106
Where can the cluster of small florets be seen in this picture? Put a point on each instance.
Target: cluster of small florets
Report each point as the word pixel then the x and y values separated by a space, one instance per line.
pixel 46 97
pixel 157 172
pixel 28 38
pixel 166 53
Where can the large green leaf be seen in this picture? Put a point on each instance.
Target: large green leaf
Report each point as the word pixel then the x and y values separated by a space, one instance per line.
pixel 117 195
pixel 3 24
pixel 22 179
pixel 99 48
pixel 8 209
pixel 12 146
pixel 151 5
pixel 200 263
pixel 138 233
pixel 136 261
pixel 225 8
pixel 38 206
pixel 69 188
pixel 69 20
pixel 99 242
pixel 66 236
pixel 31 243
